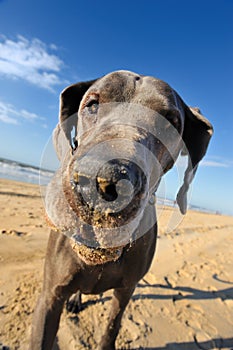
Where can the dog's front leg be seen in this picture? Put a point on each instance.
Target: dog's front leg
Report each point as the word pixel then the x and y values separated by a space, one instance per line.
pixel 120 300
pixel 59 284
pixel 45 322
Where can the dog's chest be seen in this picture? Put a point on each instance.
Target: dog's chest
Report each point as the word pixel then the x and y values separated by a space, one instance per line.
pixel 98 279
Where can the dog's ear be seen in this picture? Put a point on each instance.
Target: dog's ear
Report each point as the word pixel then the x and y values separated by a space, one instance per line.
pixel 60 142
pixel 70 99
pixel 196 136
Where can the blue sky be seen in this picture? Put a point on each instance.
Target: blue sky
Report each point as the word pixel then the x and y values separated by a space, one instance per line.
pixel 45 45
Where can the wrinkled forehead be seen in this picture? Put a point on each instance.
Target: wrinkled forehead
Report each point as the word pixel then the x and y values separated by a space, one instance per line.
pixel 126 86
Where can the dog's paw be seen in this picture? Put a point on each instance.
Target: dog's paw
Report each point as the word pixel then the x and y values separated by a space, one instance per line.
pixel 3 347
pixel 74 304
pixel 103 346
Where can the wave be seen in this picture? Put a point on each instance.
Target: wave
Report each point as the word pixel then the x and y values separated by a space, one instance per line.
pixel 17 171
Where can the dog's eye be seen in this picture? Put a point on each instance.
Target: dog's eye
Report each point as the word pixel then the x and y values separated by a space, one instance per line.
pixel 92 106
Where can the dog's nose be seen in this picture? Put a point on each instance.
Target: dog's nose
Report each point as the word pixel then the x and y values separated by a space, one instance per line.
pixel 114 179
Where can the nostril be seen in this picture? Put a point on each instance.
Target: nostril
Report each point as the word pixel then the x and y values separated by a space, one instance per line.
pixel 81 180
pixel 106 189
pixel 110 192
pixel 84 181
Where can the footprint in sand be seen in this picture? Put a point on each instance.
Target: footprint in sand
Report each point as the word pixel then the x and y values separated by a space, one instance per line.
pixel 13 233
pixel 150 279
pixel 133 328
pixel 178 248
pixel 194 317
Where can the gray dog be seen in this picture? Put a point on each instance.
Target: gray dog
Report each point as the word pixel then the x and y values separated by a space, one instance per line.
pixel 116 137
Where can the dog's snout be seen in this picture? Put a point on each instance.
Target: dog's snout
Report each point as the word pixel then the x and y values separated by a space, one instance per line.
pixel 114 180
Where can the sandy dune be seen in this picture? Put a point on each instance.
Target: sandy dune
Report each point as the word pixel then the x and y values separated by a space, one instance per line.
pixel 184 302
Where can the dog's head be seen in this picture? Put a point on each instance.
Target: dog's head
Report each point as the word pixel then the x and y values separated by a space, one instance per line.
pixel 116 137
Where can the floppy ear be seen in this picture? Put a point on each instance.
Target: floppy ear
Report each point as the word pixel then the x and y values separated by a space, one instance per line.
pixel 70 99
pixel 196 136
pixel 60 142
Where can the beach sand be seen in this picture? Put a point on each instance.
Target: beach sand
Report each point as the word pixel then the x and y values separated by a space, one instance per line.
pixel 184 302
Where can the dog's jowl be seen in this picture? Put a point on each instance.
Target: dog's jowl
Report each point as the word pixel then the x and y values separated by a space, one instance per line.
pixel 116 137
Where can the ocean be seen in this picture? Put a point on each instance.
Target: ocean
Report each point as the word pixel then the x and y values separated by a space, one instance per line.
pixel 17 171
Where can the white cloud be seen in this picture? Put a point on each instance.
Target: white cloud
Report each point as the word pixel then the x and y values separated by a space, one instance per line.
pixel 6 119
pixel 28 115
pixel 216 163
pixel 213 162
pixel 10 115
pixel 31 61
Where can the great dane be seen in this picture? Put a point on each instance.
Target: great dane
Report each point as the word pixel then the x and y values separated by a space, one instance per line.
pixel 116 137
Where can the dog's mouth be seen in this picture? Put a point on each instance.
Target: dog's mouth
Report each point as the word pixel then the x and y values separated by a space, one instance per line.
pixel 109 212
pixel 96 256
pixel 86 245
pixel 104 228
pixel 107 215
